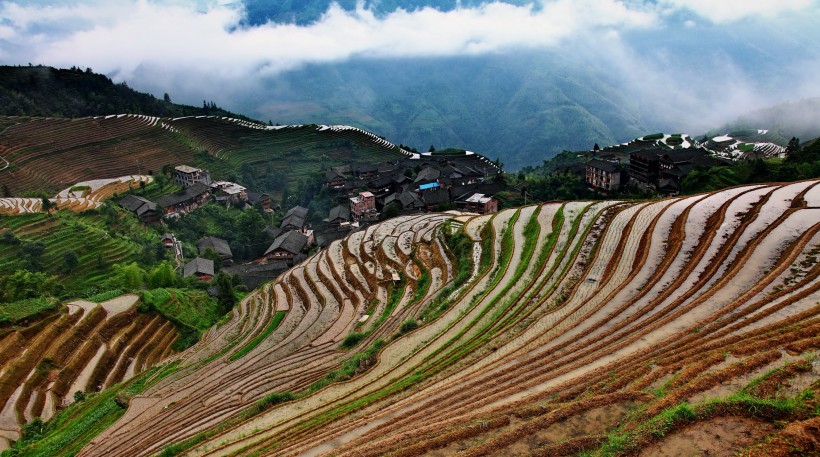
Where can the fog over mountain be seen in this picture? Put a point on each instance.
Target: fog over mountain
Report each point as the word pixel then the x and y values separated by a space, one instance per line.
pixel 516 80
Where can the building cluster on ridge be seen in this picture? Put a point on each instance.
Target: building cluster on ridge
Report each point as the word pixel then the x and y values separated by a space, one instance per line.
pixel 365 193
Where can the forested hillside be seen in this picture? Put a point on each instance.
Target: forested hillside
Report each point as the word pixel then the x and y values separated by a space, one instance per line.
pixel 50 92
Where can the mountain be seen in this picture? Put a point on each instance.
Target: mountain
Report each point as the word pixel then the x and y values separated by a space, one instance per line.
pixel 50 92
pixel 510 106
pixel 598 327
pixel 792 119
pixel 46 154
pixel 526 104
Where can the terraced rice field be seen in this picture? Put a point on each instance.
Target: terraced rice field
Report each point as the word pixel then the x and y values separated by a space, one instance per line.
pixel 90 195
pixel 49 153
pixel 606 327
pixel 86 348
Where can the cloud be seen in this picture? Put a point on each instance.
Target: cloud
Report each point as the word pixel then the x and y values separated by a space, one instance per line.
pixel 723 11
pixel 120 38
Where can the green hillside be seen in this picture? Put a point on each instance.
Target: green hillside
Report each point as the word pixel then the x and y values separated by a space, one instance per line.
pixel 50 92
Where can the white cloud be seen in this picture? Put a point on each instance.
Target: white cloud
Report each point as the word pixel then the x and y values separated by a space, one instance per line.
pixel 117 38
pixel 120 38
pixel 722 11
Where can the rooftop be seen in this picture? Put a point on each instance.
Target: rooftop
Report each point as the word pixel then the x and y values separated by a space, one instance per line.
pixel 198 265
pixel 478 198
pixel 291 241
pixel 230 188
pixel 607 166
pixel 187 194
pixel 187 169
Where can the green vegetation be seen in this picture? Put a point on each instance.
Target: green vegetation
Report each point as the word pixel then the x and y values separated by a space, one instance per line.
pixel 625 439
pixel 803 163
pixel 27 308
pixel 243 230
pixel 277 319
pixel 408 326
pixel 357 364
pixel 193 311
pixel 653 136
pixel 352 339
pixel 461 247
pixel 49 92
pixel 96 240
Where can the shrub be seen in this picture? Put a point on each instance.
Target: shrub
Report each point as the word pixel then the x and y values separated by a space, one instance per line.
pixel 408 326
pixel 352 340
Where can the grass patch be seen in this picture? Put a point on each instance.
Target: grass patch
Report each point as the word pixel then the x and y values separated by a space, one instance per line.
pixel 353 339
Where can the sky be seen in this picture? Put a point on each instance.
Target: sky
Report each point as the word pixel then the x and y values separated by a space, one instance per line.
pixel 193 47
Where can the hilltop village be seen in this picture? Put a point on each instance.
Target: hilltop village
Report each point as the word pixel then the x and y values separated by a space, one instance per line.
pixel 659 163
pixel 365 193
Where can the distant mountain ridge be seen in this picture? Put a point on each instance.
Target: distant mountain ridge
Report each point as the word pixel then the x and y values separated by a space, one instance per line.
pixel 799 119
pixel 51 92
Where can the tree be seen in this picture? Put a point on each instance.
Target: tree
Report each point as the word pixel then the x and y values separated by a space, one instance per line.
pixel 32 253
pixel 793 146
pixel 432 149
pixel 46 205
pixel 127 277
pixel 166 97
pixel 390 211
pixel 225 295
pixel 596 147
pixel 71 260
pixel 24 284
pixel 163 275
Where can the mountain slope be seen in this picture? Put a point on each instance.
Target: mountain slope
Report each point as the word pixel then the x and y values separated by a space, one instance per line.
pixel 51 92
pixel 637 312
pixel 48 154
pixel 510 106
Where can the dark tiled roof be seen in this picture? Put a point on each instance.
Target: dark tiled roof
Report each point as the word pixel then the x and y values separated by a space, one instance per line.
pixel 382 181
pixel 341 212
pixel 137 204
pixel 294 220
pixel 410 200
pixel 187 194
pixel 332 174
pixel 254 274
pixel 217 244
pixel 255 197
pixel 608 167
pixel 325 238
pixel 436 197
pixel 199 265
pixel 291 241
pixel 427 173
pixel 297 210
